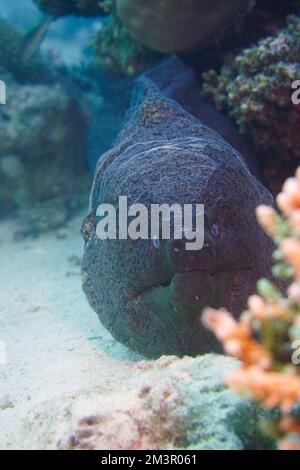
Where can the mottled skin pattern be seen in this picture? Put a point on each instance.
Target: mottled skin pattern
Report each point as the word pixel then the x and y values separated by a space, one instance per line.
pixel 150 296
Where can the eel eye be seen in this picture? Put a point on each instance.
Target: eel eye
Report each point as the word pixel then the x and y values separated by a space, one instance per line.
pixel 215 230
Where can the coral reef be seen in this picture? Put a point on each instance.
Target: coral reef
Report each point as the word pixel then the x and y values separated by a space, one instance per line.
pixel 254 88
pixel 267 336
pixel 42 167
pixel 179 25
pixel 121 43
pixel 168 404
pixel 119 52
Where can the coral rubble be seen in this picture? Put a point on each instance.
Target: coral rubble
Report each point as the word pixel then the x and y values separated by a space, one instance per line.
pixel 267 336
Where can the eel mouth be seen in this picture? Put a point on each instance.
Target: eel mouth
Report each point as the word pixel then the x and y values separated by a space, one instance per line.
pixel 172 310
pixel 198 288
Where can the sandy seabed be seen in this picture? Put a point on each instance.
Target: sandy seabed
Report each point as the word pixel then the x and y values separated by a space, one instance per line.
pixel 54 342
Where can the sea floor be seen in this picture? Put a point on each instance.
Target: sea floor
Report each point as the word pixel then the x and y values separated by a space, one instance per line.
pixel 54 342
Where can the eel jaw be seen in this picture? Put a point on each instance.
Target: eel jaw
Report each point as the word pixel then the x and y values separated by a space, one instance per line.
pixel 170 313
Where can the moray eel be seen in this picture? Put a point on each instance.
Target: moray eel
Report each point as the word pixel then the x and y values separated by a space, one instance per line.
pixel 150 293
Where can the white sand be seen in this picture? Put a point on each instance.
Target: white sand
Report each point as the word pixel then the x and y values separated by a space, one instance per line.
pixel 55 343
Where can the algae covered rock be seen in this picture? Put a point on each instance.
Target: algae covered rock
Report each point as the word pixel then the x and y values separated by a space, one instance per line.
pixel 255 90
pixel 119 52
pixel 42 137
pixel 168 404
pixel 179 25
pixel 136 28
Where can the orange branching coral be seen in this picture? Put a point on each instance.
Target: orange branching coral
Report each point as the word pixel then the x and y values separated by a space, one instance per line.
pixel 291 251
pixel 236 338
pixel 289 425
pixel 268 332
pixel 270 388
pixel 267 218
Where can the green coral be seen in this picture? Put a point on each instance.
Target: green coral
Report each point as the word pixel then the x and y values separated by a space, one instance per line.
pixel 118 52
pixel 254 88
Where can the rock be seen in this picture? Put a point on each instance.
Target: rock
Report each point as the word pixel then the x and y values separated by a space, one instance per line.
pixel 168 404
pixel 39 121
pixel 179 25
pixel 118 52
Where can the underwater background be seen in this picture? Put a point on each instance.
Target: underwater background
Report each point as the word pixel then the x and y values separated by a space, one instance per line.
pixel 71 71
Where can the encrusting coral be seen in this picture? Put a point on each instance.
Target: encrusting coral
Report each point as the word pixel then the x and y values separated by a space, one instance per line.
pixel 267 337
pixel 254 88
